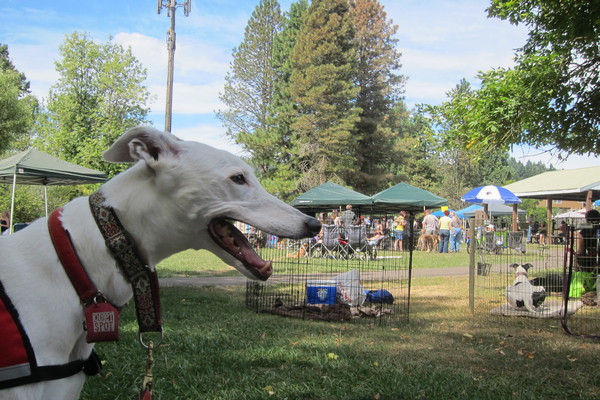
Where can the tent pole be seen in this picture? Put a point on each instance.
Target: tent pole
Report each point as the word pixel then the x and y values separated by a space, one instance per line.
pixel 12 204
pixel 46 199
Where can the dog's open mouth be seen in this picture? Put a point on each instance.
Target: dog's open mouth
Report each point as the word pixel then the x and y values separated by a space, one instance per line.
pixel 235 243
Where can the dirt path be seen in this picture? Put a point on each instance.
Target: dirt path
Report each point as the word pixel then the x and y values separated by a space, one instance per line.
pixel 241 280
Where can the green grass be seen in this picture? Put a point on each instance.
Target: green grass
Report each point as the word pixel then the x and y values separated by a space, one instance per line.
pixel 204 263
pixel 214 348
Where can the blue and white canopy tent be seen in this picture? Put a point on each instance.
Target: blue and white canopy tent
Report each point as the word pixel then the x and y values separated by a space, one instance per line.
pixel 491 194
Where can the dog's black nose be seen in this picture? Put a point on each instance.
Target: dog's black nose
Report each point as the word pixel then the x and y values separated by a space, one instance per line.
pixel 313 225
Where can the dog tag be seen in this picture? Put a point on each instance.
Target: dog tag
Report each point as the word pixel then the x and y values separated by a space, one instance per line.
pixel 102 322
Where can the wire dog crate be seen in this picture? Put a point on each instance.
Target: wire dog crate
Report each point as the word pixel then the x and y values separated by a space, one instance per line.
pixel 343 276
pixel 569 295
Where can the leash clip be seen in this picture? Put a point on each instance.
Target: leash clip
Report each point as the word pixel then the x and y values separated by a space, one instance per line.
pixel 150 342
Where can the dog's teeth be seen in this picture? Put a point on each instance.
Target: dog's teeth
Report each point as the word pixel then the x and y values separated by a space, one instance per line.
pixel 266 267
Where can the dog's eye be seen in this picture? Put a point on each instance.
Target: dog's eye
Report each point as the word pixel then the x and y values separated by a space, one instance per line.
pixel 240 179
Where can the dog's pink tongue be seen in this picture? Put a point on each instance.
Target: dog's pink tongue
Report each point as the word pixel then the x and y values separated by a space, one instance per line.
pixel 236 244
pixel 264 268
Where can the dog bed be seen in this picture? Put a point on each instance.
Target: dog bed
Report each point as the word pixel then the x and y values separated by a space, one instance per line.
pixel 550 309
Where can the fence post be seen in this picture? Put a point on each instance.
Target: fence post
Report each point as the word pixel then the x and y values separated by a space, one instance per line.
pixel 472 265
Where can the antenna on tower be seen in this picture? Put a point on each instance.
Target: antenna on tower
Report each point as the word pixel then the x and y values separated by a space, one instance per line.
pixel 171 6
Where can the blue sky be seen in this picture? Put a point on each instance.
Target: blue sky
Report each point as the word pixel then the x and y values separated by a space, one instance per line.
pixel 442 41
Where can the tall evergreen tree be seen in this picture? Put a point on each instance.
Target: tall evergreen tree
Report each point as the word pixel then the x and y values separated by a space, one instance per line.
pixel 249 86
pixel 380 88
pixel 282 173
pixel 321 83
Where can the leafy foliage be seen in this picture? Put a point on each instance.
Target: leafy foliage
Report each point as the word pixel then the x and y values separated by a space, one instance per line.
pixel 17 105
pixel 380 87
pixel 324 62
pixel 552 96
pixel 99 95
pixel 249 86
pixel 336 82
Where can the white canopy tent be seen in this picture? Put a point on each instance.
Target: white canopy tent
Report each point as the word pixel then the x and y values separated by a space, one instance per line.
pixel 34 167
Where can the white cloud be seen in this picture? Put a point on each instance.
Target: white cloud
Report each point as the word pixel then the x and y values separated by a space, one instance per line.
pixel 198 77
pixel 547 157
pixel 210 134
pixel 188 99
pixel 36 61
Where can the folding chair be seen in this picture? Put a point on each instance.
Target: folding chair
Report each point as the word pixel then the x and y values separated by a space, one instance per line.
pixel 358 245
pixel 516 241
pixel 492 243
pixel 330 244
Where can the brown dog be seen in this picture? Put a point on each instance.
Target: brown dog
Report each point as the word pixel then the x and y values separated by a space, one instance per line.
pixel 427 242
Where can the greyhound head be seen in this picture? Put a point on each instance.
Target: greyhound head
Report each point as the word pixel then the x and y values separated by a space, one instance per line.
pixel 183 194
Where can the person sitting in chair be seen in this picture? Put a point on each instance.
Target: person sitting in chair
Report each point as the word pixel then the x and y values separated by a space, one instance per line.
pixel 375 239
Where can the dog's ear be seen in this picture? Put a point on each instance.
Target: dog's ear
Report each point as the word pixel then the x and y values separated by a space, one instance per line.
pixel 514 265
pixel 141 143
pixel 527 266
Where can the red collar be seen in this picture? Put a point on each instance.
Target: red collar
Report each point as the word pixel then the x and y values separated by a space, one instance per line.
pixel 85 288
pixel 101 317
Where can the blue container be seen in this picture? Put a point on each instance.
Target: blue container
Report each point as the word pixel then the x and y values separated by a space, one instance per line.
pixel 320 292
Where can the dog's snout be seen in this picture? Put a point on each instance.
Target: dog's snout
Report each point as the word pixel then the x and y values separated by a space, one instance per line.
pixel 313 225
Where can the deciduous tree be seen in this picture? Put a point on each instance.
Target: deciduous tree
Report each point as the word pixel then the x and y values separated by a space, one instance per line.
pixel 552 96
pixel 99 94
pixel 17 105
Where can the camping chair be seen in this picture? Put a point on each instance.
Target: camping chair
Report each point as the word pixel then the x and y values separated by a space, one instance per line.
pixel 492 243
pixel 330 244
pixel 358 246
pixel 516 241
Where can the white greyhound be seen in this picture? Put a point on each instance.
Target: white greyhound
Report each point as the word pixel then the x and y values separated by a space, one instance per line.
pixel 176 197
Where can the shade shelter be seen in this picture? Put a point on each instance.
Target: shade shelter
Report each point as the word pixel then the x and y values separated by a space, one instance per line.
pixel 329 195
pixel 406 197
pixel 34 167
pixel 580 184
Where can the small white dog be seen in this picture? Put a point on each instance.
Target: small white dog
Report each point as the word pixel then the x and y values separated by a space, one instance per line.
pixel 179 195
pixel 522 293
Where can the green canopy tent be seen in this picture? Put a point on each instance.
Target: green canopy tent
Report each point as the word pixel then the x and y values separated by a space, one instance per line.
pixel 327 196
pixel 406 197
pixel 33 167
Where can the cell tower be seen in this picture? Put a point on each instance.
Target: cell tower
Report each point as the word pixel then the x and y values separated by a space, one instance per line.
pixel 171 6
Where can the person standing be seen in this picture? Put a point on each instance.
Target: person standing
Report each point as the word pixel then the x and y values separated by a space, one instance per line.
pixel 400 223
pixel 430 223
pixel 348 216
pixel 455 233
pixel 445 222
